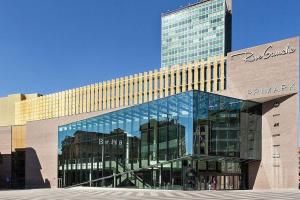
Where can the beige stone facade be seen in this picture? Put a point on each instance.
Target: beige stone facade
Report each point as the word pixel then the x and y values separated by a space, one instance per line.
pixel 269 74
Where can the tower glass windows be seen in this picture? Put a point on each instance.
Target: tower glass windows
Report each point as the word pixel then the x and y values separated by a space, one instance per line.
pixel 195 32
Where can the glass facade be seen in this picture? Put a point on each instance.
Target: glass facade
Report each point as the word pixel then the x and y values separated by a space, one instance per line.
pixel 192 140
pixel 194 33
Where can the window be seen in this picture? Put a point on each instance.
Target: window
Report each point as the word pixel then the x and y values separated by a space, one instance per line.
pixel 219 70
pixel 199 74
pixel 158 82
pixel 186 77
pixel 128 88
pixel 153 83
pixel 211 72
pixel 193 78
pixel 105 93
pixel 133 88
pixel 181 78
pixel 175 79
pixel 225 70
pixel 205 73
pixel 147 85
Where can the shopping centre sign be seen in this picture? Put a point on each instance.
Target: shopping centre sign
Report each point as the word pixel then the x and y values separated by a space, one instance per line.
pixel 269 52
pixel 273 90
pixel 110 142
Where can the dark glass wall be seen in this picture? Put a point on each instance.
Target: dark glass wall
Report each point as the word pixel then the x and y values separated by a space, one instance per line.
pixel 160 140
pixel 224 126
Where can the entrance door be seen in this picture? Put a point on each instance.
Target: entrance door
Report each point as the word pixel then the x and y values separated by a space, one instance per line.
pixel 202 183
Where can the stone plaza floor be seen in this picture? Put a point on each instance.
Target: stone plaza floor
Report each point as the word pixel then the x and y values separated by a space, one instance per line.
pixel 124 194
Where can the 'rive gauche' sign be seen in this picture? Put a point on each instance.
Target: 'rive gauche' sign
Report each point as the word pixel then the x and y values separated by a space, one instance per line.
pixel 268 53
pixel 273 90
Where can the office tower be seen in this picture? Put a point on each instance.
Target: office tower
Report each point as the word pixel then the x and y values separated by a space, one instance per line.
pixel 196 32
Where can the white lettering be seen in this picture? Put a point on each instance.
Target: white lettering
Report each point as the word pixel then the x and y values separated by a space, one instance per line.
pixel 100 141
pixel 273 90
pixel 251 57
pixel 110 142
pixel 292 87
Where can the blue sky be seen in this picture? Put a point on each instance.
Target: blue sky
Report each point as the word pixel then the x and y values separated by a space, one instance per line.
pixel 53 45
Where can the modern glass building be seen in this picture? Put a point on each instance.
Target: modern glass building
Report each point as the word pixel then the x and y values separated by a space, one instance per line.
pixel 161 129
pixel 196 32
pixel 192 140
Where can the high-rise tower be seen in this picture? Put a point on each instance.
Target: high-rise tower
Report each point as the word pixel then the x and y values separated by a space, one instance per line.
pixel 196 32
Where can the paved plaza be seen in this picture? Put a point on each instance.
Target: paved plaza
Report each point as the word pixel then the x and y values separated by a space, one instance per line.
pixel 124 194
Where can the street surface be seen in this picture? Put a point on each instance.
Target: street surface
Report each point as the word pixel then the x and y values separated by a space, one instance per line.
pixel 135 194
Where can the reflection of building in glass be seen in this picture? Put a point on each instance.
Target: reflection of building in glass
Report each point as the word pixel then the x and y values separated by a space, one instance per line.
pixel 120 149
pixel 156 143
pixel 83 144
pixel 162 140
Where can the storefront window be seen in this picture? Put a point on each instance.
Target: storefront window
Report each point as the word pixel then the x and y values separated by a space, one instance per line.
pixel 159 140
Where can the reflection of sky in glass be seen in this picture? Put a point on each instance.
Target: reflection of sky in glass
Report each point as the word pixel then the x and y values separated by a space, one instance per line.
pixel 183 108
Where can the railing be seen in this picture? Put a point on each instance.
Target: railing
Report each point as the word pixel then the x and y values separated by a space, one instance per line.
pixel 114 175
pixel 136 177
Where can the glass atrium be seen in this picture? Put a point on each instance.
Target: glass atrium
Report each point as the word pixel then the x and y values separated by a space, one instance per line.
pixel 192 140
